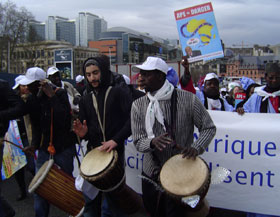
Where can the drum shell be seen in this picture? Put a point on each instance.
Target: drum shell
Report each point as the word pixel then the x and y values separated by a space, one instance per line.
pixel 126 198
pixel 58 188
pixel 110 177
pixel 202 191
pixel 112 181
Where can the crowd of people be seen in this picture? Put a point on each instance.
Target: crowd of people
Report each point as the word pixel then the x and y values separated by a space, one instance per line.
pixel 156 107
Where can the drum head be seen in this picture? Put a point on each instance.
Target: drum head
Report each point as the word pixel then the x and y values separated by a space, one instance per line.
pixel 95 162
pixel 182 176
pixel 40 175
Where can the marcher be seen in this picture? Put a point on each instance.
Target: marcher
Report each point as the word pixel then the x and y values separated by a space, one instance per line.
pixel 233 87
pixel 25 131
pixel 266 98
pixel 117 121
pixel 53 74
pixel 11 107
pixel 80 84
pixel 49 108
pixel 210 96
pixel 249 92
pixel 151 120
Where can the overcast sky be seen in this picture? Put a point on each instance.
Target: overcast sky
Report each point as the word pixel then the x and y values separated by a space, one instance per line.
pixel 247 21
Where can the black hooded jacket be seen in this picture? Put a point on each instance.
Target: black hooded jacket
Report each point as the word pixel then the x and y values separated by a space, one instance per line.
pixel 11 106
pixel 117 109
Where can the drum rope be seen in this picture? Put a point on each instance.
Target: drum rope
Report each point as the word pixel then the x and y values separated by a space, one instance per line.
pixel 157 186
pixel 95 105
pixel 51 148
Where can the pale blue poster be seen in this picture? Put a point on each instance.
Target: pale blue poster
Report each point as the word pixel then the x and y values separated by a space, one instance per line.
pixel 13 157
pixel 198 33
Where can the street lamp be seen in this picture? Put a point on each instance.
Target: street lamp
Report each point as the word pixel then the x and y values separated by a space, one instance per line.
pixel 110 55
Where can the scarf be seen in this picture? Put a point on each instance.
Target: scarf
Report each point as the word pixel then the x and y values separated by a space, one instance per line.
pixel 214 104
pixel 273 97
pixel 265 94
pixel 154 110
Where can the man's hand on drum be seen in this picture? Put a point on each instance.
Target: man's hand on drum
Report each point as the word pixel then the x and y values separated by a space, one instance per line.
pixel 190 152
pixel 108 146
pixel 161 141
pixel 79 128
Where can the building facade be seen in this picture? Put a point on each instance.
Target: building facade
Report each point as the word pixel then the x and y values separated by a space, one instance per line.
pixel 43 54
pixel 249 66
pixel 131 46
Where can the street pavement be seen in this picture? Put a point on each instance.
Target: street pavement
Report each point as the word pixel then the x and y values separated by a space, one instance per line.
pixel 24 208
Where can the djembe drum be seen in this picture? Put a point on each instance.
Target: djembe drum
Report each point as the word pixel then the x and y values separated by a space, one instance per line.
pixel 58 188
pixel 182 177
pixel 105 171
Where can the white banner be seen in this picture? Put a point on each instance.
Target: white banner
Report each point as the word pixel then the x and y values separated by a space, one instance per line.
pixel 249 146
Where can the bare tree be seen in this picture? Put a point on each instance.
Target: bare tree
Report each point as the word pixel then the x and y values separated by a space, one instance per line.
pixel 14 26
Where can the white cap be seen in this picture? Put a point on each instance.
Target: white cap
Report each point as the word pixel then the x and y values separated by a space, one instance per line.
pixel 233 84
pixel 152 63
pixel 79 78
pixel 52 70
pixel 210 76
pixel 126 78
pixel 17 79
pixel 33 74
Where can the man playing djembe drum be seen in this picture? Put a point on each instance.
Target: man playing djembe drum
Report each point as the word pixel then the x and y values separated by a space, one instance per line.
pixel 103 120
pixel 160 136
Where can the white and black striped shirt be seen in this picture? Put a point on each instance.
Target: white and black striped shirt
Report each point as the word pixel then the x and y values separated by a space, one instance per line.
pixel 190 113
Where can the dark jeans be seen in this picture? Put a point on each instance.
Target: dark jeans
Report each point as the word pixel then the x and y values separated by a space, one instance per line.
pixel 159 204
pixel 20 174
pixel 65 161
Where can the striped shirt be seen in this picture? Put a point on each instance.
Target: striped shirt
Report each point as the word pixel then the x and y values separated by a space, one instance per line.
pixel 190 113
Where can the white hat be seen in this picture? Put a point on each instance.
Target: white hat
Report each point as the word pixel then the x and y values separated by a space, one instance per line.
pixel 52 70
pixel 152 63
pixel 79 78
pixel 126 78
pixel 210 76
pixel 17 79
pixel 33 74
pixel 233 84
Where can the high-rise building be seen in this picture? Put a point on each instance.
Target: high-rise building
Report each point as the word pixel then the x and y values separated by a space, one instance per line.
pixel 60 29
pixel 100 25
pixel 39 28
pixel 65 31
pixel 88 28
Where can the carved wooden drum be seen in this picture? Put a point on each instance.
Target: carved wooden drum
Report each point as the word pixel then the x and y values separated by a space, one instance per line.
pixel 105 171
pixel 58 188
pixel 182 177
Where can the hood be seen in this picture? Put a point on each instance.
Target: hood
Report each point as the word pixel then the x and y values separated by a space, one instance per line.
pixel 106 74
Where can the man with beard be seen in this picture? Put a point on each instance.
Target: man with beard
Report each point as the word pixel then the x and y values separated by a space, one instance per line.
pixel 266 98
pixel 104 121
pixel 210 96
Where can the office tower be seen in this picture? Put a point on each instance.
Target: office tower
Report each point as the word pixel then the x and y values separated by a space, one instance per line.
pixel 88 28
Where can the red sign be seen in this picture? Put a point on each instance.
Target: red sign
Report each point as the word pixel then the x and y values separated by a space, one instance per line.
pixel 193 11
